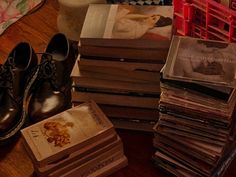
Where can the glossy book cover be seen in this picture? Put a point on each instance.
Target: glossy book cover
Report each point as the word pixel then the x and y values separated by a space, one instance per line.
pixel 137 25
pixel 201 61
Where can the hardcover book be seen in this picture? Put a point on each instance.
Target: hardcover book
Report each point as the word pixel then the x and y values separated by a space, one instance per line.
pixel 201 61
pixel 114 73
pixel 118 63
pixel 127 26
pixel 115 99
pixel 127 112
pixel 113 82
pixel 146 55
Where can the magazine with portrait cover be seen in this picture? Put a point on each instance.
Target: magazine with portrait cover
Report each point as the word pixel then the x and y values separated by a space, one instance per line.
pixel 127 26
pixel 201 61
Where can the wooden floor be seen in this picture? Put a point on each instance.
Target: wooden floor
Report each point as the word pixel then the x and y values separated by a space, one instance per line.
pixel 37 28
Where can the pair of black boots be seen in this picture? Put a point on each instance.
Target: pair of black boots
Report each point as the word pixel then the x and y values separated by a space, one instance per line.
pixel 30 92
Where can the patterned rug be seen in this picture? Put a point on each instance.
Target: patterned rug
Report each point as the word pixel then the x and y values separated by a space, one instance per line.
pixel 13 10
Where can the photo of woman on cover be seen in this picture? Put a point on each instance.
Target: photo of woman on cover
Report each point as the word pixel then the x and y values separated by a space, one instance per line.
pixel 205 60
pixel 134 22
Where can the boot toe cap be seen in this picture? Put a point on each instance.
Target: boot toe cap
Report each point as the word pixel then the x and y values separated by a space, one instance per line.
pixel 40 109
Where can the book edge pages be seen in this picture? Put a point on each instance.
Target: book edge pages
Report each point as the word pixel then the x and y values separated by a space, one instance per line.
pixel 80 159
pixel 112 154
pixel 79 154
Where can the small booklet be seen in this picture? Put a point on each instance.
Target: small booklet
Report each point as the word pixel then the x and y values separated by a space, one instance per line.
pixel 66 132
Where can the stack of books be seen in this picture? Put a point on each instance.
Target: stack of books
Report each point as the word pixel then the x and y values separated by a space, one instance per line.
pixel 80 142
pixel 121 54
pixel 195 134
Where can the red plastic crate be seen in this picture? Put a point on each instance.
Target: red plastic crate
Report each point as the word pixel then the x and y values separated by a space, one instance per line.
pixel 207 19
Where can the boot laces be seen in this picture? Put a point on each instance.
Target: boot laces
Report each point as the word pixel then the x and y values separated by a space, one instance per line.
pixel 47 69
pixel 6 74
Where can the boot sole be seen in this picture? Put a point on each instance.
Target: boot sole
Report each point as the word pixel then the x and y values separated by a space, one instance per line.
pixel 23 120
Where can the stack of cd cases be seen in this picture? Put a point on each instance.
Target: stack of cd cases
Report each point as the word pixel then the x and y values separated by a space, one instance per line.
pixel 195 134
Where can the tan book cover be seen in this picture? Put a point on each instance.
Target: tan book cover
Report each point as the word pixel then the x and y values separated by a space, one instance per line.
pixel 66 132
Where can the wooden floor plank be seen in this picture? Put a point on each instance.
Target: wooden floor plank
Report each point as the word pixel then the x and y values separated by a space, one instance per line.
pixel 36 28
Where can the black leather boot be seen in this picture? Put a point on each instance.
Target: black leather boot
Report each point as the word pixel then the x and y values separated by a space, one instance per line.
pixel 51 92
pixel 16 78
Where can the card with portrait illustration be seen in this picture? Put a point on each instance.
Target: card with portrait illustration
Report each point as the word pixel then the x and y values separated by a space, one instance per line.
pixel 66 132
